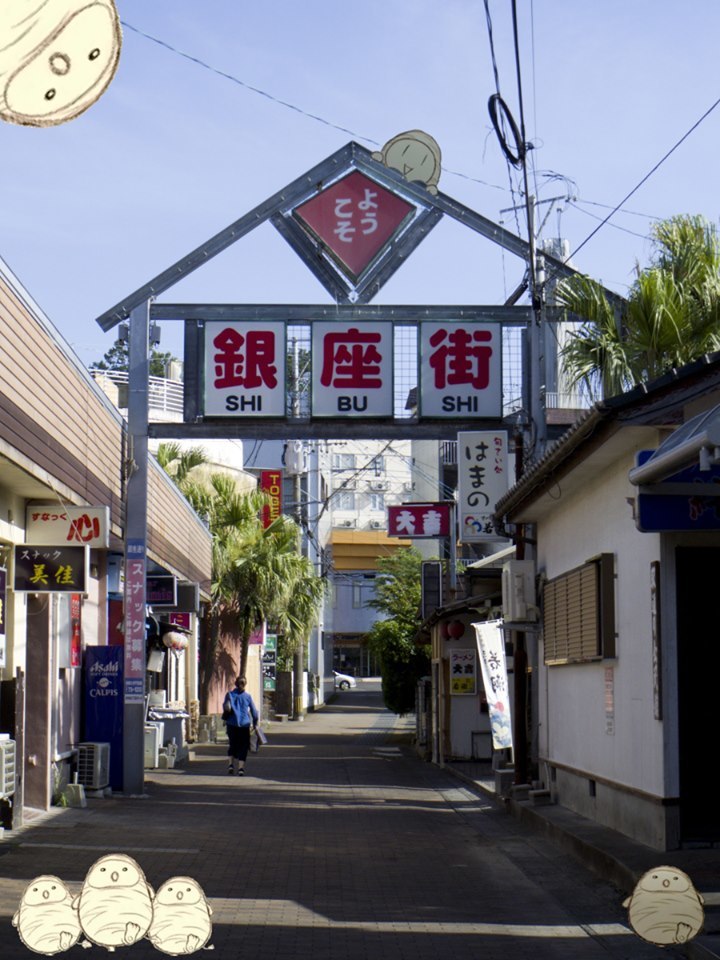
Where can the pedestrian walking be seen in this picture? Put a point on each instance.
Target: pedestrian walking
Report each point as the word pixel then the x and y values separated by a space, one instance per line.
pixel 239 714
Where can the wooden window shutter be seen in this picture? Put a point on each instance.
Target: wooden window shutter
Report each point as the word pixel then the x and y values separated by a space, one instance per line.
pixel 579 613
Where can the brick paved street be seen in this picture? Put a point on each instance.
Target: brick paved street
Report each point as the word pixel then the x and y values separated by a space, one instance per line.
pixel 339 843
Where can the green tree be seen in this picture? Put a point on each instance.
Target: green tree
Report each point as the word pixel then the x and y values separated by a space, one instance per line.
pixel 258 573
pixel 116 358
pixel 392 641
pixel 671 315
pixel 179 463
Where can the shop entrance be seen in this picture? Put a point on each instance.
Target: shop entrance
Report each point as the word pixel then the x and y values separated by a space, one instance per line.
pixel 698 670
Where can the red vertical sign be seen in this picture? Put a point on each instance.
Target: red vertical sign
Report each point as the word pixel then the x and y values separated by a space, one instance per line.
pixel 271 484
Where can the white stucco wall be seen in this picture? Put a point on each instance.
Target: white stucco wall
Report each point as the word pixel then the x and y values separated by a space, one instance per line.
pixel 572 698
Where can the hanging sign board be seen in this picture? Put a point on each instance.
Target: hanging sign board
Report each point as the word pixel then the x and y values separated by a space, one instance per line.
pixel 352 369
pixel 161 591
pixel 463 672
pixel 419 520
pixel 49 523
pixel 687 500
pixel 245 369
pixel 53 568
pixel 482 460
pixel 460 369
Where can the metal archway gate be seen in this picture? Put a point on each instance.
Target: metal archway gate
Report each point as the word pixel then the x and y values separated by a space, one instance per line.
pixel 346 198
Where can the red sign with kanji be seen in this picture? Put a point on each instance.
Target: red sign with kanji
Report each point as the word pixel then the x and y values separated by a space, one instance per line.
pixel 354 219
pixel 416 520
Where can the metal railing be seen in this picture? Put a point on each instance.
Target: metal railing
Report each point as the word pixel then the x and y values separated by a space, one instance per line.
pixel 165 396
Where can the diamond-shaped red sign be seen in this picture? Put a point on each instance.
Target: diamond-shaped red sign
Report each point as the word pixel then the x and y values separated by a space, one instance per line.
pixel 355 219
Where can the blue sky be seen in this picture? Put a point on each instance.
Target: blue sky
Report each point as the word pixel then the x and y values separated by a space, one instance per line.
pixel 173 152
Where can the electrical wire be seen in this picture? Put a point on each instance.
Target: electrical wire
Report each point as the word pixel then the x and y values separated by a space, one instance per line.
pixel 647 176
pixel 312 116
pixel 243 83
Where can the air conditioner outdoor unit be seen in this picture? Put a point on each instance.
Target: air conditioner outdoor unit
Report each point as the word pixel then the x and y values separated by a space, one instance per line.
pixel 518 591
pixel 377 524
pixel 94 765
pixel 7 768
pixel 379 485
pixel 347 523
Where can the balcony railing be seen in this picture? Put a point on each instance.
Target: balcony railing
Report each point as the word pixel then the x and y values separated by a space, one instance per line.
pixel 165 396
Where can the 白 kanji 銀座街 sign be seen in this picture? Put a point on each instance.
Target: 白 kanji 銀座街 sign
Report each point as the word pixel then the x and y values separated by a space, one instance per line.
pixel 352 369
pixel 245 369
pixel 460 369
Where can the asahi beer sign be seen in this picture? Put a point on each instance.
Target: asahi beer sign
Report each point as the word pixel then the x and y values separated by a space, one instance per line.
pixel 245 369
pixel 352 369
pixel 104 680
pixel 48 523
pixel 460 369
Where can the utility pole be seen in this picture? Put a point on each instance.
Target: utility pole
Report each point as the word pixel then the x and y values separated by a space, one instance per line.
pixel 136 498
pixel 299 654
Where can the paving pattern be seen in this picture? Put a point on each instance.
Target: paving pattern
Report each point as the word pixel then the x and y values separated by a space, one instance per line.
pixel 339 843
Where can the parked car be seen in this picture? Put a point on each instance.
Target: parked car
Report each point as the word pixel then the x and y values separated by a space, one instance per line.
pixel 343 681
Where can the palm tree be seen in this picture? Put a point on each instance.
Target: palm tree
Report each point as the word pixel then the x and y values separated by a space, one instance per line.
pixel 258 574
pixel 670 317
pixel 179 463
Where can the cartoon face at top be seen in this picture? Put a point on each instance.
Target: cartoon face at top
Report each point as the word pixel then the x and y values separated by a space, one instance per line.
pixel 57 58
pixel 416 155
pixel 115 870
pixel 45 889
pixel 665 879
pixel 178 890
pixel 665 907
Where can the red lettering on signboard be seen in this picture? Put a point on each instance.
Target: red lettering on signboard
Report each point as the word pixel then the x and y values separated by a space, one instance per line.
pixel 351 360
pixel 460 358
pixel 245 361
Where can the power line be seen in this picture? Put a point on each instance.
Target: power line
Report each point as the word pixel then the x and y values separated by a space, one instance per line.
pixel 647 176
pixel 247 86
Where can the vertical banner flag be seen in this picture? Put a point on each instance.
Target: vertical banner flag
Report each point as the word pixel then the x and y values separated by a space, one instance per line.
pixel 245 369
pixel 491 647
pixel 352 366
pixel 134 664
pixel 460 369
pixel 482 458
